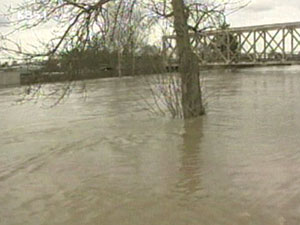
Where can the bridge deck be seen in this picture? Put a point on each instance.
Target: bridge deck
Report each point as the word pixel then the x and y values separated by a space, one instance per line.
pixel 174 67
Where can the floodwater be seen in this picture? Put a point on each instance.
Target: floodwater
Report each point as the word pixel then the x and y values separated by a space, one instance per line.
pixel 106 161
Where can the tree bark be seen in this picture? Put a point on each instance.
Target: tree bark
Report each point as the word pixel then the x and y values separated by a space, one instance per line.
pixel 188 64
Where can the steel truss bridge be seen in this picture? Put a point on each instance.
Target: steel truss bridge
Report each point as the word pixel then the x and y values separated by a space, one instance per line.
pixel 273 44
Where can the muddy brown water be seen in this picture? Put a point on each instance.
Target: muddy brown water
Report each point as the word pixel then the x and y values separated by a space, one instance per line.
pixel 106 161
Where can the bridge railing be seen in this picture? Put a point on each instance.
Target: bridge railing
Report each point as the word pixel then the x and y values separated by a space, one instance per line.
pixel 275 43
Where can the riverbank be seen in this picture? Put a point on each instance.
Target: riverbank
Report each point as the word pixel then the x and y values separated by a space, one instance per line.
pixel 52 77
pixel 12 78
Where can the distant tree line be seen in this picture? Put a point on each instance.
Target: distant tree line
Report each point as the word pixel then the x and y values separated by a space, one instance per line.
pixel 101 61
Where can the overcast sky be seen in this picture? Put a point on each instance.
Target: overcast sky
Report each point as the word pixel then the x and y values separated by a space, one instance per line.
pixel 256 13
pixel 267 12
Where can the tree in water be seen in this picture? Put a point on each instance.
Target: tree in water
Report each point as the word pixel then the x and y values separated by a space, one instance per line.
pixel 81 20
pixel 188 64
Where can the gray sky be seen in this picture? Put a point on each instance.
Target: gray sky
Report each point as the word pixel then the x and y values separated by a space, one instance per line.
pixel 256 13
pixel 267 12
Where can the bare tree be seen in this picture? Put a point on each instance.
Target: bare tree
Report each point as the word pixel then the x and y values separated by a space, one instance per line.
pixel 116 21
pixel 188 64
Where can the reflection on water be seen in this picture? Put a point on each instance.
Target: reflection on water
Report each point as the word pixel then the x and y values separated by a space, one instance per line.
pixel 106 161
pixel 190 169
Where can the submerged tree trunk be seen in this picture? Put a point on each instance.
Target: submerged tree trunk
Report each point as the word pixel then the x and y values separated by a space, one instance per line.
pixel 188 64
